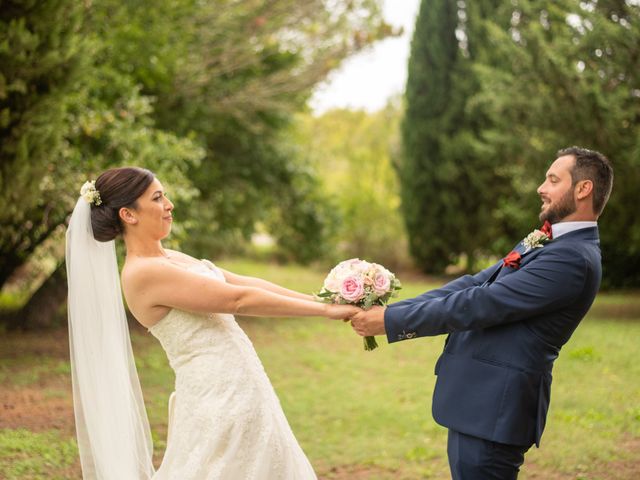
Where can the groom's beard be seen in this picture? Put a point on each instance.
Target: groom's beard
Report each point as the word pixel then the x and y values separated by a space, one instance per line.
pixel 565 207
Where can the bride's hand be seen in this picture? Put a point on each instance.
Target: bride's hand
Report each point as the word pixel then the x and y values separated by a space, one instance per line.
pixel 341 312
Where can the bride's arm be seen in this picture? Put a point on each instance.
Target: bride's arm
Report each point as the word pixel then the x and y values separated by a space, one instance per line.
pixel 162 284
pixel 244 281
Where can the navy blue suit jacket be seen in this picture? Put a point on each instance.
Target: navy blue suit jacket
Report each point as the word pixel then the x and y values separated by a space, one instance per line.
pixel 506 327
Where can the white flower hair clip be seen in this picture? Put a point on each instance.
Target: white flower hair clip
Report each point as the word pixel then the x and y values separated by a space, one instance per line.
pixel 90 194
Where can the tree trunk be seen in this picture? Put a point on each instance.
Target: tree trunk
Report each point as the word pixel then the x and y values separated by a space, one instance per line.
pixel 45 308
pixel 13 255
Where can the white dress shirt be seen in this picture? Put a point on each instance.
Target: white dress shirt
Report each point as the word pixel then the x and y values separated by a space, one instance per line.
pixel 560 228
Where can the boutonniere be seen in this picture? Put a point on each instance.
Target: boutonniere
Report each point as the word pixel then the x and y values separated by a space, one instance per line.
pixel 538 238
pixel 512 260
pixel 535 239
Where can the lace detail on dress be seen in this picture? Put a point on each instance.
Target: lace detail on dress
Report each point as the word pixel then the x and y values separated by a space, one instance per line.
pixel 226 421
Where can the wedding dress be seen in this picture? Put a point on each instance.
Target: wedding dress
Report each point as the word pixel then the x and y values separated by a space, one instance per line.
pixel 225 420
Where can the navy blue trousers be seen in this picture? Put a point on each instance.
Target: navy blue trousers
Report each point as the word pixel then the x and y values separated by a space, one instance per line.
pixel 473 458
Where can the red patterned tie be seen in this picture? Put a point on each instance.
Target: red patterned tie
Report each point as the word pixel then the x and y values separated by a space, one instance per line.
pixel 546 229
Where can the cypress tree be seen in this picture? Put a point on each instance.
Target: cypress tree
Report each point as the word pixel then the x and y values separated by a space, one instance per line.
pixel 434 50
pixel 449 183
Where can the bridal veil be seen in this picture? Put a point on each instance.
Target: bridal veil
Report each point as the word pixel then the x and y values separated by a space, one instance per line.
pixel 114 437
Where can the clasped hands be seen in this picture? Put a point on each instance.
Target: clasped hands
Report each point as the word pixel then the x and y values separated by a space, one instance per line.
pixel 366 323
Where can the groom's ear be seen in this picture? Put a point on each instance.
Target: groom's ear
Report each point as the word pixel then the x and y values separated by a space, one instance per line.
pixel 127 216
pixel 583 189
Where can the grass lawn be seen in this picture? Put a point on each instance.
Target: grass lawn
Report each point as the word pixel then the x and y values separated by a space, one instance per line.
pixel 357 414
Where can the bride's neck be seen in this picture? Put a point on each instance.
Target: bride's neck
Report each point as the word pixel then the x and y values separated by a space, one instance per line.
pixel 138 247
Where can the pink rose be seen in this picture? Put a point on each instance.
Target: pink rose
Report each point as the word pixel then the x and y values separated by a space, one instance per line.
pixel 352 289
pixel 381 284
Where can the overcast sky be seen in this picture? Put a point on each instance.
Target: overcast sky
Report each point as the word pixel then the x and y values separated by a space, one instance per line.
pixel 368 79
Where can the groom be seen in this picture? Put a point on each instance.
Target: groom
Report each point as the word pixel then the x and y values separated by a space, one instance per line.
pixel 506 324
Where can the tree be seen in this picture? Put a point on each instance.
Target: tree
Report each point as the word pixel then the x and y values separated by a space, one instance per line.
pixel 200 92
pixel 41 58
pixel 540 76
pixel 65 118
pixel 567 74
pixel 450 186
pixel 231 75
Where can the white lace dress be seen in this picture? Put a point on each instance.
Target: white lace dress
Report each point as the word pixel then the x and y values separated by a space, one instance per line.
pixel 225 420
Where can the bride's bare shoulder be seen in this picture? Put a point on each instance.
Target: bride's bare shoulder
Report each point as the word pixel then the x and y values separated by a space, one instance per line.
pixel 139 277
pixel 143 270
pixel 138 271
pixel 181 256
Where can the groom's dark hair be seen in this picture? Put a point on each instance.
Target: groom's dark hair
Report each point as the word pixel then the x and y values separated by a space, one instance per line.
pixel 594 166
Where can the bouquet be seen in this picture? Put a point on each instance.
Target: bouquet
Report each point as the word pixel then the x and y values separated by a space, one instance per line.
pixel 359 283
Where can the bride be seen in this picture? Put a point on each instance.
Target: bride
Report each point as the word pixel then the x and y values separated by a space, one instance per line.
pixel 225 420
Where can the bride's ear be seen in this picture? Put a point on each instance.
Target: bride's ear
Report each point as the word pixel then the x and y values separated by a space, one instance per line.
pixel 127 216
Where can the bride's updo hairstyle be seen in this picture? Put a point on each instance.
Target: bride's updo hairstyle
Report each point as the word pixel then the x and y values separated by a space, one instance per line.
pixel 118 188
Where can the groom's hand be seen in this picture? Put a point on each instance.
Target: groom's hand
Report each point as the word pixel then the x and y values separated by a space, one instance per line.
pixel 341 312
pixel 368 323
